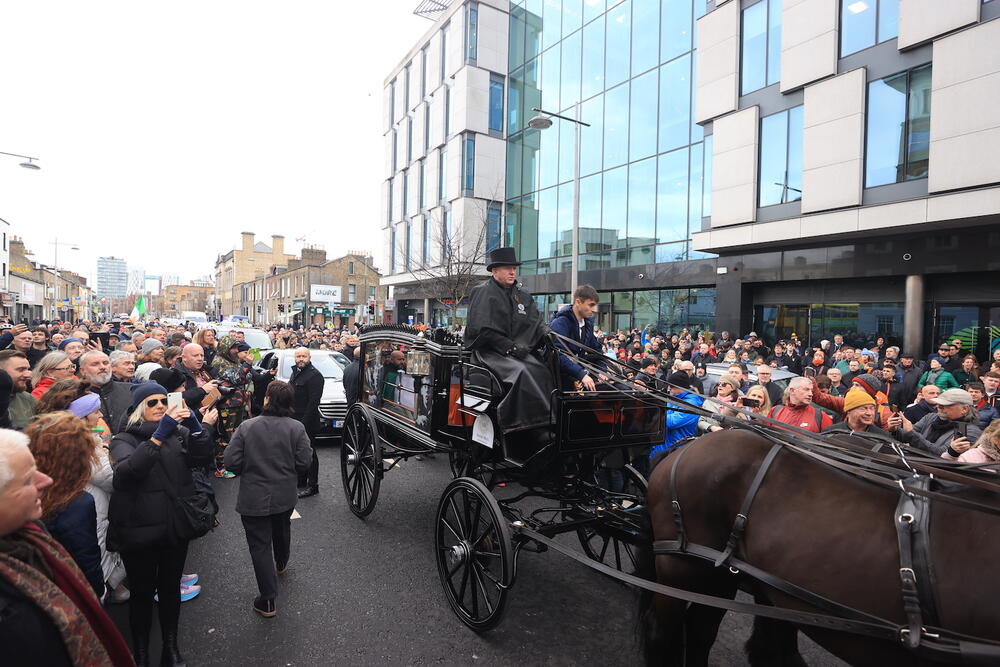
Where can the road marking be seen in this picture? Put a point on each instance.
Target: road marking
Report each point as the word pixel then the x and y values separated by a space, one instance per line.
pixel 296 515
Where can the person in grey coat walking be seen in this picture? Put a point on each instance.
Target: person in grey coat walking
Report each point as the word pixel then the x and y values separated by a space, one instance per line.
pixel 269 453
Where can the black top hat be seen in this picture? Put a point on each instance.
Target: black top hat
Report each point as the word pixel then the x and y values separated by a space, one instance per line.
pixel 501 257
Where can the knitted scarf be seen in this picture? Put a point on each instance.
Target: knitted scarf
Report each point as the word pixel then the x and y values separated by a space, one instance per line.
pixel 36 565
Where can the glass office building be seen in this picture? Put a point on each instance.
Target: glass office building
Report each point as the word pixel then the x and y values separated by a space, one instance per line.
pixel 626 68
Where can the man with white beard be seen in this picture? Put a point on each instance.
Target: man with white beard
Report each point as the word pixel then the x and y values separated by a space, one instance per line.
pixel 116 397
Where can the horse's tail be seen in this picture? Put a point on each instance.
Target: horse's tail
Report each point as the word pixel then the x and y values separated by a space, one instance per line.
pixel 649 628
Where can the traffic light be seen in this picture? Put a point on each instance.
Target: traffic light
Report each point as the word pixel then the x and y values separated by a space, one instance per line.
pixel 281 307
pixel 371 308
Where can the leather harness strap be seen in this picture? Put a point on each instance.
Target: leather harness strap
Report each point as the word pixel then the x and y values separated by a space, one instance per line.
pixel 740 523
pixel 675 503
pixel 916 578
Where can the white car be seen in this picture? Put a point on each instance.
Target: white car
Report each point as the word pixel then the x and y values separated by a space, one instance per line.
pixel 333 405
pixel 256 338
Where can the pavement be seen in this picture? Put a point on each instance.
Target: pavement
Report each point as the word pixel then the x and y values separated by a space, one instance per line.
pixel 368 593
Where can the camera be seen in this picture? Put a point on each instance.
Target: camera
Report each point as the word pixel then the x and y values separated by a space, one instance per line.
pixel 751 403
pixel 226 391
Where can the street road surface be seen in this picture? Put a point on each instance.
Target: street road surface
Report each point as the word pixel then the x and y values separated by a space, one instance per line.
pixel 367 593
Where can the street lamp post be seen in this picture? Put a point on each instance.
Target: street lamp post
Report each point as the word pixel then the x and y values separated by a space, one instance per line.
pixel 30 164
pixel 544 122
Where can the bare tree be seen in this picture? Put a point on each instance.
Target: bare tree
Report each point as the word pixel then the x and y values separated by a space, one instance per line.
pixel 452 262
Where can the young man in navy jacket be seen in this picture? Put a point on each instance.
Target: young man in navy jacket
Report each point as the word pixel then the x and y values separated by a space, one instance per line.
pixel 577 322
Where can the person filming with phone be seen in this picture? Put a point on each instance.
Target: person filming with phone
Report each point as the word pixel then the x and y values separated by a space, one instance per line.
pixel 951 429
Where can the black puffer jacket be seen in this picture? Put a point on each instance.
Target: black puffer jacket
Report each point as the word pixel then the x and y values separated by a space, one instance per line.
pixel 141 510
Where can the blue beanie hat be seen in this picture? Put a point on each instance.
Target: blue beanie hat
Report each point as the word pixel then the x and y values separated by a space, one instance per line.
pixel 66 341
pixel 143 391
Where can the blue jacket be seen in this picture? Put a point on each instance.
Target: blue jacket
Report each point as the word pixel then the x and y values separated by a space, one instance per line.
pixel 680 425
pixel 986 415
pixel 566 324
pixel 75 527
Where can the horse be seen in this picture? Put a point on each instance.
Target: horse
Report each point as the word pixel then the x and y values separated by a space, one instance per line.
pixel 817 527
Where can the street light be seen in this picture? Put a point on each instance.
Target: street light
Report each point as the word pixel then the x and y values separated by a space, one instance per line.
pixel 544 122
pixel 30 164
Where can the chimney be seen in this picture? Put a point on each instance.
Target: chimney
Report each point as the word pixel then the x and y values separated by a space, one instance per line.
pixel 277 246
pixel 247 241
pixel 313 256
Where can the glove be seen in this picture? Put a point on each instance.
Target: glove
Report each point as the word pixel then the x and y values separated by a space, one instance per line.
pixel 165 428
pixel 192 424
pixel 519 352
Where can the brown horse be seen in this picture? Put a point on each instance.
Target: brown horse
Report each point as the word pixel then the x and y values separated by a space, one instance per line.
pixel 816 527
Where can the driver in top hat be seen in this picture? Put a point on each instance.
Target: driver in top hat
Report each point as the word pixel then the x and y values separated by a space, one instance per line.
pixel 503 331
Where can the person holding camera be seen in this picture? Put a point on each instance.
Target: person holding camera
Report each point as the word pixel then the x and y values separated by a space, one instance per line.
pixel 152 461
pixel 951 429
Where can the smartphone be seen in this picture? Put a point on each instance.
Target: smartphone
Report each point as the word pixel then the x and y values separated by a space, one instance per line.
pixel 894 409
pixel 962 429
pixel 103 338
pixel 175 399
pixel 751 403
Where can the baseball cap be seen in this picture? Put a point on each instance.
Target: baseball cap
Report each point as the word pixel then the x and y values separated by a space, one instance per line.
pixel 954 397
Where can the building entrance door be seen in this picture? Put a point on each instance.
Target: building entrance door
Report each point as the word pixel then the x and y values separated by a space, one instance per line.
pixel 775 323
pixel 977 326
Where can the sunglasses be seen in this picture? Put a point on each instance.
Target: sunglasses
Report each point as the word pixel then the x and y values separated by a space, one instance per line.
pixel 153 401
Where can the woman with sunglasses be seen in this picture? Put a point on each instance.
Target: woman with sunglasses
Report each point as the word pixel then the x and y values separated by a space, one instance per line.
pixel 51 368
pixel 152 459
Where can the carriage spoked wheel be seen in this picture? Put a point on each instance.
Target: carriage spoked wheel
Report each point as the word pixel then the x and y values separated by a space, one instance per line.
pixel 361 460
pixel 475 556
pixel 462 466
pixel 610 544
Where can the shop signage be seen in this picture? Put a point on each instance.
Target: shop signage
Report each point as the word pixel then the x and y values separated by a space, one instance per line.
pixel 299 304
pixel 324 292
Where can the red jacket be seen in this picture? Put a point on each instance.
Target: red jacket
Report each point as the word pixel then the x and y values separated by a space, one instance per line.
pixel 806 416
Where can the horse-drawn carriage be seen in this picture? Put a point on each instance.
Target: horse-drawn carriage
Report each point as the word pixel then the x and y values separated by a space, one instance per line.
pixel 422 394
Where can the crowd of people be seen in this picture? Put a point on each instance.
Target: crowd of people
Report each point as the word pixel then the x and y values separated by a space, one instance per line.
pixel 110 434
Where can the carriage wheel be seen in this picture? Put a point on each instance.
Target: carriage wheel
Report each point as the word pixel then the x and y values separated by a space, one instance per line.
pixel 611 544
pixel 475 557
pixel 462 466
pixel 361 460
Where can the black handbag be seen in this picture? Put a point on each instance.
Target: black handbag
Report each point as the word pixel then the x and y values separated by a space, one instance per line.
pixel 194 515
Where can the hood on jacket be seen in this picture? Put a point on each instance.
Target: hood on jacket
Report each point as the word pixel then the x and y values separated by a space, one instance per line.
pixel 223 353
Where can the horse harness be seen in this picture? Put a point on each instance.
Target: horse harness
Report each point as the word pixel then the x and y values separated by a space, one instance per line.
pixel 911 518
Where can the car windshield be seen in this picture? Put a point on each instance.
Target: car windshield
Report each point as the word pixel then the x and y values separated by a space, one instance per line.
pixel 324 363
pixel 254 338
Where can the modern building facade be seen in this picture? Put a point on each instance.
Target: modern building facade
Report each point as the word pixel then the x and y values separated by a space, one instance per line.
pixel 112 277
pixel 444 132
pixel 787 166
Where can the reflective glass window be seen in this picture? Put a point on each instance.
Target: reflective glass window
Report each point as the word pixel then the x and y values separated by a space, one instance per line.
pixel 532 32
pixel 642 116
pixel 405 202
pixel 442 174
pixel 447 112
pixel 614 207
pixel 548 222
pixel 672 196
pixel 514 166
pixel 390 201
pixel 492 226
pixel 472 36
pixel 572 16
pixel 616 126
pixel 411 246
pixel 425 240
pixel 530 141
pixel 645 35
pixel 551 22
pixel 780 158
pixel 409 139
pixel 570 84
pixel 675 103
pixel 420 186
pixel 392 249
pixel 443 64
pixel 547 155
pixel 564 241
pixel 406 89
pixel 515 50
pixel 469 162
pixel 395 151
pixel 642 203
pixel 592 9
pixel 694 188
pixel 761 45
pixel 423 72
pixel 590 213
pixel 427 127
pixel 697 131
pixel 593 59
pixel 898 127
pixel 549 79
pixel 865 23
pixel 676 29
pixel 512 225
pixel 616 63
pixel 514 121
pixel 496 103
pixel 592 138
pixel 567 144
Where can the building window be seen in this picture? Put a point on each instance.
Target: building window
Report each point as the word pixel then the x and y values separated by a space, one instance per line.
pixel 371 292
pixel 865 23
pixel 781 157
pixel 472 34
pixel 427 127
pixel 444 51
pixel 492 225
pixel 423 72
pixel 496 103
pixel 406 88
pixel 395 151
pixel 469 163
pixel 406 194
pixel 445 236
pixel 352 293
pixel 389 208
pixel 392 249
pixel 420 187
pixel 409 140
pixel 425 241
pixel 408 256
pixel 899 121
pixel 761 54
pixel 442 175
pixel 447 112
pixel 392 102
pixel 350 268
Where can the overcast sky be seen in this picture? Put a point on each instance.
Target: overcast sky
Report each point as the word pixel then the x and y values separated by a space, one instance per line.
pixel 165 129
